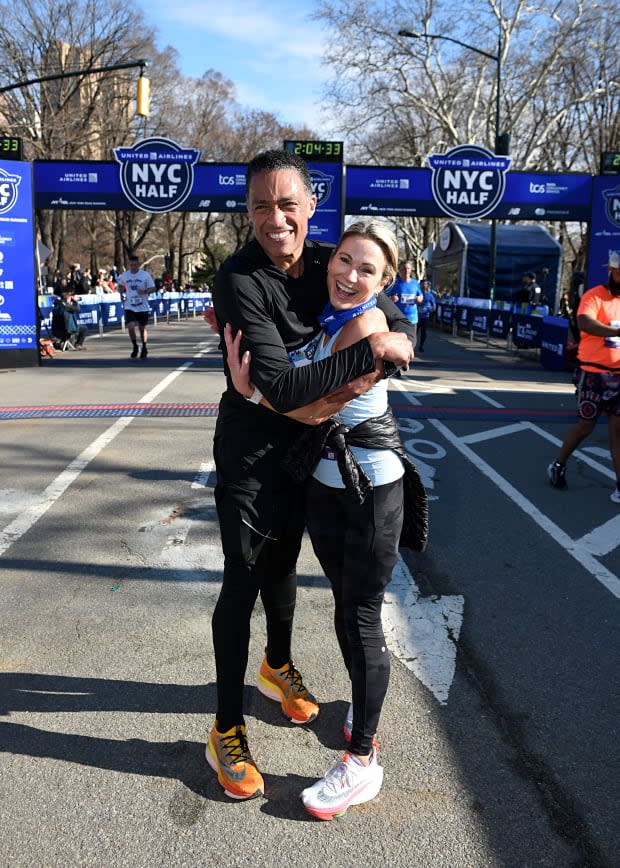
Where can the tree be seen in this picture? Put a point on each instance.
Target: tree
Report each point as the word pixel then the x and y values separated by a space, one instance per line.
pixel 397 99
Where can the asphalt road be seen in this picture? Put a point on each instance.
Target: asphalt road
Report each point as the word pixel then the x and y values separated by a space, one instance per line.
pixel 499 736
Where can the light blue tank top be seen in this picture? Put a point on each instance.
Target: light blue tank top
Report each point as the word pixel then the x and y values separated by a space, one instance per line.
pixel 380 465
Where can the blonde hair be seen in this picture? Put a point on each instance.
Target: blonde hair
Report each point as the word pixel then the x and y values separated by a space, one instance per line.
pixel 383 237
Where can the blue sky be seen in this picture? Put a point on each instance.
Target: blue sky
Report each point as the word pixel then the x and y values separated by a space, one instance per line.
pixel 271 52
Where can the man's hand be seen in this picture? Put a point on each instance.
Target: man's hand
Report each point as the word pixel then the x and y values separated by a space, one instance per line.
pixel 392 347
pixel 239 367
pixel 209 317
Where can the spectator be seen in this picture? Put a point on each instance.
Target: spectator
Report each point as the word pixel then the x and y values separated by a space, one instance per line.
pixel 530 292
pixel 64 317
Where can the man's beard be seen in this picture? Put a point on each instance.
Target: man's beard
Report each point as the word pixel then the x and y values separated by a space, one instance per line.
pixel 614 285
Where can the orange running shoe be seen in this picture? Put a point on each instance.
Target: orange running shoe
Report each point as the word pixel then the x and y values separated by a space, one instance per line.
pixel 228 754
pixel 286 687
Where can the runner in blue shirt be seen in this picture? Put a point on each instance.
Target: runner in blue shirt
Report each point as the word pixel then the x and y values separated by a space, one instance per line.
pixel 406 293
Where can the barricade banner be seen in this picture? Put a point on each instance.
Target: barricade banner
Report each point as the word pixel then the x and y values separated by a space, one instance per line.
pixel 195 302
pixel 526 331
pixel 89 315
pixel 111 312
pixel 159 306
pixel 499 323
pixel 173 300
pixel 463 317
pixel 446 313
pixel 554 336
pixel 479 320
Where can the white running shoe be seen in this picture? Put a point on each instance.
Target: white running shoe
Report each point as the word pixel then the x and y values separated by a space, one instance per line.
pixel 345 784
pixel 615 496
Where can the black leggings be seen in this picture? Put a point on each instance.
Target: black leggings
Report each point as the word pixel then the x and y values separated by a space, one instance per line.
pixel 252 565
pixel 357 547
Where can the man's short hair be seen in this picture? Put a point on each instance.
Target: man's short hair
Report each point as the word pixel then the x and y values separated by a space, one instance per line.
pixel 133 257
pixel 276 160
pixel 530 274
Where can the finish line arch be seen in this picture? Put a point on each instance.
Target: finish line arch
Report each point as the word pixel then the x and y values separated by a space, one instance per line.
pixel 220 187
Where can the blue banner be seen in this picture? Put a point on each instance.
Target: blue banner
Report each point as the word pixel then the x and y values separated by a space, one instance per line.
pixel 401 191
pixel 526 331
pixel 553 339
pixel 499 323
pixel 18 299
pixel 216 187
pixel 604 227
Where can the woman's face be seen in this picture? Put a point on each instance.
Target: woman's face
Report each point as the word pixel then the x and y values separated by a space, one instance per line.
pixel 355 272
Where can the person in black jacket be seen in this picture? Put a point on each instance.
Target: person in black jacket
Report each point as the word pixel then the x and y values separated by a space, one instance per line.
pixel 65 325
pixel 271 292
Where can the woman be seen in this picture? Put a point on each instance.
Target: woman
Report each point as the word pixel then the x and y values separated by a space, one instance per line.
pixel 354 508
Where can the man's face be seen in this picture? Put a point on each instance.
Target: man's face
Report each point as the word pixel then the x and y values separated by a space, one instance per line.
pixel 614 281
pixel 280 207
pixel 405 271
pixel 134 265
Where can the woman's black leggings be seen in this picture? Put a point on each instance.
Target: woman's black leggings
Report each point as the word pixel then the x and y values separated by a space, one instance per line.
pixel 357 547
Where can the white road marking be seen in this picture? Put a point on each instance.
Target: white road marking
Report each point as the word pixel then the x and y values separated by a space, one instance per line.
pixel 571 546
pixel 597 450
pixel 202 479
pixel 481 436
pixel 422 632
pixel 26 519
pixel 603 539
pixel 599 541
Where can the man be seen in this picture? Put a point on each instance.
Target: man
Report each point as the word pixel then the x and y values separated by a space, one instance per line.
pixel 65 325
pixel 530 292
pixel 272 291
pixel 598 384
pixel 135 284
pixel 406 294
pixel 425 308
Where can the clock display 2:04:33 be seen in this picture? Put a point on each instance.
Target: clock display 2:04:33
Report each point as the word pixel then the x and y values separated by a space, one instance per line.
pixel 10 148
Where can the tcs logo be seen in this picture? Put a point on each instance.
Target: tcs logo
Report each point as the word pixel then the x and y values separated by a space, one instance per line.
pixel 8 190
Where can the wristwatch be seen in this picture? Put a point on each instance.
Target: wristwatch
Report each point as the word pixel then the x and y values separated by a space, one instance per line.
pixel 255 397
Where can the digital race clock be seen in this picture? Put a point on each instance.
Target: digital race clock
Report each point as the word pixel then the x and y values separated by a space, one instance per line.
pixel 10 148
pixel 322 152
pixel 610 163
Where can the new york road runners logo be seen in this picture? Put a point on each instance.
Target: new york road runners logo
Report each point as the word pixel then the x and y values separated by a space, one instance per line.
pixel 468 181
pixel 321 186
pixel 612 205
pixel 8 190
pixel 156 174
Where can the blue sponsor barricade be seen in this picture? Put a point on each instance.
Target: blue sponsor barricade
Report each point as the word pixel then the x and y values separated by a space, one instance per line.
pixel 554 336
pixel 112 313
pixel 526 331
pixel 174 303
pixel 479 320
pixel 89 315
pixel 159 306
pixel 499 323
pixel 445 311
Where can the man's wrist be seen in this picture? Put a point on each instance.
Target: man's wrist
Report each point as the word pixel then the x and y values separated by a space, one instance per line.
pixel 255 397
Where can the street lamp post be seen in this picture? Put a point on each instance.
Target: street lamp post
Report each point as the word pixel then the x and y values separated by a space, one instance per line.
pixel 501 141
